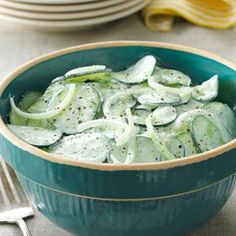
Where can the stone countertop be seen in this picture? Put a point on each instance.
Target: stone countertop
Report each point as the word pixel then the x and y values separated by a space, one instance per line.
pixel 18 45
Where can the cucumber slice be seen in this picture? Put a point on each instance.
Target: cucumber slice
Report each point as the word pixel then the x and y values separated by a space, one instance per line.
pixel 183 92
pixel 28 99
pixel 171 77
pixel 146 151
pixel 100 76
pixel 138 72
pixel 83 107
pixel 191 105
pixel 225 115
pixel 176 147
pixel 120 140
pixel 85 70
pixel 16 119
pixel 182 123
pixel 140 116
pixel 25 102
pixel 107 89
pixel 207 91
pixel 163 115
pixel 140 129
pixel 187 141
pixel 83 147
pixel 145 107
pixel 40 123
pixel 173 144
pixel 152 97
pixel 50 99
pixel 205 134
pixel 108 131
pixel 36 136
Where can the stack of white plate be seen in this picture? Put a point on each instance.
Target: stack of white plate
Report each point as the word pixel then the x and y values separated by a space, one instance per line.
pixel 67 14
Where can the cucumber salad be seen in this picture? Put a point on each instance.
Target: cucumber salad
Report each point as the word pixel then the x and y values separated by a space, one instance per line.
pixel 142 114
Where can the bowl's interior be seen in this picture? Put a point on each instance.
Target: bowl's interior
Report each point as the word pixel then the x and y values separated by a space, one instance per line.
pixel 199 68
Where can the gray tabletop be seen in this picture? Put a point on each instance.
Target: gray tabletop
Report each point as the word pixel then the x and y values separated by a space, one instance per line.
pixel 18 45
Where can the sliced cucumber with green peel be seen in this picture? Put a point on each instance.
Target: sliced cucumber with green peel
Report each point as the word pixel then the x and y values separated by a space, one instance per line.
pixel 83 107
pixel 16 119
pixel 85 70
pixel 183 92
pixel 137 73
pixel 83 147
pixel 163 115
pixel 28 99
pixel 140 116
pixel 152 97
pixel 146 151
pixel 207 91
pixel 225 115
pixel 171 77
pixel 187 141
pixel 182 123
pixel 109 88
pixel 173 144
pixel 206 134
pixel 100 76
pixel 146 107
pixel 40 123
pixel 50 99
pixel 25 102
pixel 191 105
pixel 36 136
pixel 108 131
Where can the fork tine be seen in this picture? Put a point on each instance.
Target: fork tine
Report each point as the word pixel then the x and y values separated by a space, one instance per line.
pixel 17 185
pixel 4 194
pixel 10 182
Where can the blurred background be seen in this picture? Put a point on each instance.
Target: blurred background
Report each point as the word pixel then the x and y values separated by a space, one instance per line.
pixel 30 28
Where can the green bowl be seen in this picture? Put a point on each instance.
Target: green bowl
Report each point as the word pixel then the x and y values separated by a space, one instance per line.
pixel 167 198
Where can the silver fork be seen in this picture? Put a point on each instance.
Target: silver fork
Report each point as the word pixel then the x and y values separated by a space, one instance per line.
pixel 14 206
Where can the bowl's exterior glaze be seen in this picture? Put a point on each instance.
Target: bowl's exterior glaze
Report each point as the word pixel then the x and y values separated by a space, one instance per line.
pixel 165 216
pixel 87 201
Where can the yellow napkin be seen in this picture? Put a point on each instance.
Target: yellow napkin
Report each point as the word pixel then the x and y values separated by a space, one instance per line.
pixel 219 14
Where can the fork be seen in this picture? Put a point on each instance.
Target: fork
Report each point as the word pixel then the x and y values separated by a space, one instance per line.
pixel 14 205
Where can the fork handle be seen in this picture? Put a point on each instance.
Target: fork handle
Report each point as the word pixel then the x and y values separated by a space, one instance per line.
pixel 24 228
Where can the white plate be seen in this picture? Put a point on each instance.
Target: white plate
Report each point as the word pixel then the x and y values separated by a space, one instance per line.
pixel 70 25
pixel 55 1
pixel 70 15
pixel 60 8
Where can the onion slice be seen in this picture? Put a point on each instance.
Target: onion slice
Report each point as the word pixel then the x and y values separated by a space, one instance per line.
pixel 132 139
pixel 156 140
pixel 114 98
pixel 48 114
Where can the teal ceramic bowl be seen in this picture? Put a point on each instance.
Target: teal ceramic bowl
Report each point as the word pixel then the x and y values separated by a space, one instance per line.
pixel 167 198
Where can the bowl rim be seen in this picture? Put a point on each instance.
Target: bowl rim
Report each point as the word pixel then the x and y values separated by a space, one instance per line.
pixel 7 134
